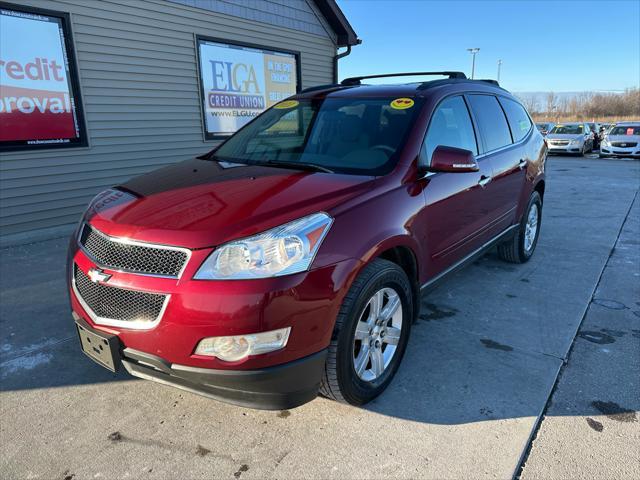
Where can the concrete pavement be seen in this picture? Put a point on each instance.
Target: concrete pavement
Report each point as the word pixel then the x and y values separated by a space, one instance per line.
pixel 481 364
pixel 591 428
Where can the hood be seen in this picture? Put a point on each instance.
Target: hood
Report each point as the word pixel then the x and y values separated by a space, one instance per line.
pixel 564 136
pixel 203 203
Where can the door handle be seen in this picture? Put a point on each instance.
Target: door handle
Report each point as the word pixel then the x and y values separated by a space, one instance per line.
pixel 522 164
pixel 484 181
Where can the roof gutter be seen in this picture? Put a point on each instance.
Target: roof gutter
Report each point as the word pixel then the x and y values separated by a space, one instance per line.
pixel 335 62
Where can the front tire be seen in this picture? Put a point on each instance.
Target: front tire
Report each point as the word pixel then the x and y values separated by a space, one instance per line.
pixel 370 335
pixel 521 247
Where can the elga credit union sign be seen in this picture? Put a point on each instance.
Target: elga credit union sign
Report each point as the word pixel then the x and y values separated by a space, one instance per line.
pixel 239 82
pixel 38 98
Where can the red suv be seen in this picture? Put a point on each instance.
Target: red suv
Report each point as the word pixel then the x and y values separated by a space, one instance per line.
pixel 290 260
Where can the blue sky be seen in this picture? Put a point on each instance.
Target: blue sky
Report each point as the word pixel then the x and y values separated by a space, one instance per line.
pixel 562 46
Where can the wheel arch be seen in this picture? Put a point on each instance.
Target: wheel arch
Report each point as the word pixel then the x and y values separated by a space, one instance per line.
pixel 539 187
pixel 403 253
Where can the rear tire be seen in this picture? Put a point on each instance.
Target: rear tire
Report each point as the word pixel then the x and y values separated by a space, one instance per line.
pixel 381 286
pixel 520 248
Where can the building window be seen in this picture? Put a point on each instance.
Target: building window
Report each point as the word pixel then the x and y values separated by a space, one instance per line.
pixel 239 81
pixel 40 104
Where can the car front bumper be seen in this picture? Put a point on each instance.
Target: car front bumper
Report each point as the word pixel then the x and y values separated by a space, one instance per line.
pixel 566 149
pixel 307 302
pixel 608 151
pixel 272 388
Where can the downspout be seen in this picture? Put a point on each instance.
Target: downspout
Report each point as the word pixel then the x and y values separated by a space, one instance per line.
pixel 337 57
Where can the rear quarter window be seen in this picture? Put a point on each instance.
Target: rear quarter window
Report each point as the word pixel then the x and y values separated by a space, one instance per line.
pixel 518 119
pixel 491 121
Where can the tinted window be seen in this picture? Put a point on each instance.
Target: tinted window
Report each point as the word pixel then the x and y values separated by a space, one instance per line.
pixel 568 129
pixel 625 130
pixel 450 126
pixel 345 135
pixel 518 119
pixel 491 121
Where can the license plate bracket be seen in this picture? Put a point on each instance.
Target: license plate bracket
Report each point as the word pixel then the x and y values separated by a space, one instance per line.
pixel 102 348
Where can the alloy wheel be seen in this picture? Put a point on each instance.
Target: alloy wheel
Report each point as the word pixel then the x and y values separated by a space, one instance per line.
pixel 531 228
pixel 377 334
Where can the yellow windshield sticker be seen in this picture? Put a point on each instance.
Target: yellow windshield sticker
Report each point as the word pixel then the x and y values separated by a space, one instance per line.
pixel 401 103
pixel 287 104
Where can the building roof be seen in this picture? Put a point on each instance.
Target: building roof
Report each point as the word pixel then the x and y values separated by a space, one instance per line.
pixel 338 22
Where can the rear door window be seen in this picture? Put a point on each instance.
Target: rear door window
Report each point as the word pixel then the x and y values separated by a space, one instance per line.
pixel 518 119
pixel 451 127
pixel 491 121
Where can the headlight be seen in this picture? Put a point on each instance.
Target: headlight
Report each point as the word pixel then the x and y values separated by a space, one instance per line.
pixel 576 142
pixel 605 143
pixel 287 249
pixel 239 347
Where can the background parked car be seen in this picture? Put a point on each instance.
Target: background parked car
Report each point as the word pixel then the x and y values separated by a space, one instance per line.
pixel 595 130
pixel 544 127
pixel 623 140
pixel 570 138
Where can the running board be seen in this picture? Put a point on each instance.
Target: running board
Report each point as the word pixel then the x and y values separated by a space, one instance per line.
pixel 435 281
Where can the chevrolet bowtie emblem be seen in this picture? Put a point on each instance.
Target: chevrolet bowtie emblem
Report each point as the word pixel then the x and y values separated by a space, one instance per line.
pixel 96 275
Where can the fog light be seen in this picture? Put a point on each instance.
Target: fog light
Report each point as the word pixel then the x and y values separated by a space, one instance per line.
pixel 238 347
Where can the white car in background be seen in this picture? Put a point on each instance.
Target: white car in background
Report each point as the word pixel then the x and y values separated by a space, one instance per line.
pixel 623 140
pixel 570 139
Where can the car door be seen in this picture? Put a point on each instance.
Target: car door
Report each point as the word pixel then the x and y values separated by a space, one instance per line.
pixel 589 135
pixel 455 203
pixel 508 161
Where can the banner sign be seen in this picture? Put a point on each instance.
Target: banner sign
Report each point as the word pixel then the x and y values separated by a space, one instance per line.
pixel 38 94
pixel 238 82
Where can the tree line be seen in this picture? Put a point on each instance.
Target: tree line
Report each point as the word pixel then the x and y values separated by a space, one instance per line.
pixel 586 106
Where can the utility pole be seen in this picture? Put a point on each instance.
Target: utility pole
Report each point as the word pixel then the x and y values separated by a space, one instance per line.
pixel 499 65
pixel 473 52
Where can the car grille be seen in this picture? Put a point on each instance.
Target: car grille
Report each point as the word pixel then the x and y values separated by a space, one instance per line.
pixel 131 256
pixel 115 305
pixel 624 144
pixel 560 143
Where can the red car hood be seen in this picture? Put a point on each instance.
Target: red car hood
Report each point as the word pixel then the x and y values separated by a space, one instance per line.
pixel 203 203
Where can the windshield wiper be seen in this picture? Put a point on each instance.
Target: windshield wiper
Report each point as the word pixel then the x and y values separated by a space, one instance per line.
pixel 271 163
pixel 299 166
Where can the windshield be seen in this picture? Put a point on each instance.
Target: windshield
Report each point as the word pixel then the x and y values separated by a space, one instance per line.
pixel 625 130
pixel 344 135
pixel 568 129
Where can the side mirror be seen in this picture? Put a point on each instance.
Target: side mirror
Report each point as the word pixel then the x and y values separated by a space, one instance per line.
pixel 451 159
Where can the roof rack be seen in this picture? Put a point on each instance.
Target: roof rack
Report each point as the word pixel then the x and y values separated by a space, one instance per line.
pixel 358 80
pixel 320 87
pixel 491 81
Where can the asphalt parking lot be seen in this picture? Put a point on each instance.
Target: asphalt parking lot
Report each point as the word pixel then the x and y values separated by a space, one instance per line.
pixel 475 397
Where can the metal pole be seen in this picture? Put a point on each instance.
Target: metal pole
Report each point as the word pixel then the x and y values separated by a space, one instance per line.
pixel 499 65
pixel 473 52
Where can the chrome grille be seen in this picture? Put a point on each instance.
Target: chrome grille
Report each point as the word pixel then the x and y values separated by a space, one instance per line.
pixel 624 144
pixel 560 143
pixel 132 256
pixel 117 306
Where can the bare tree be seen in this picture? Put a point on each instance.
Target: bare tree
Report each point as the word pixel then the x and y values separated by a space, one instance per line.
pixel 592 106
pixel 551 102
pixel 531 103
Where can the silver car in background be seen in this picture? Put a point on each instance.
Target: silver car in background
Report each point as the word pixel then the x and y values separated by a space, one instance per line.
pixel 570 138
pixel 623 140
pixel 544 127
